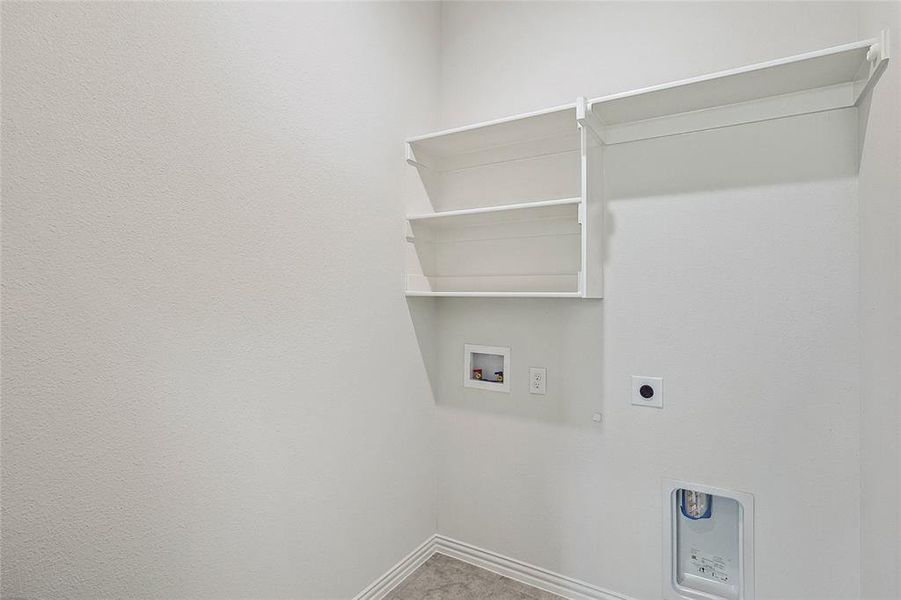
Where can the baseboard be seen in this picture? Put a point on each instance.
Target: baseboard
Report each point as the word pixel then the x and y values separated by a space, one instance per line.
pixel 387 582
pixel 570 588
pixel 561 585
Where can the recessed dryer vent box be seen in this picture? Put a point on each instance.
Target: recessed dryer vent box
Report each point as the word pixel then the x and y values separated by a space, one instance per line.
pixel 708 543
pixel 486 367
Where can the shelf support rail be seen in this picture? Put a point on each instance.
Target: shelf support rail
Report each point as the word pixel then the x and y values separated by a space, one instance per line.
pixel 587 118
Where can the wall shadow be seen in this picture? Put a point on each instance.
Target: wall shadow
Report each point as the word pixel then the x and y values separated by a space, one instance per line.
pixel 812 147
pixel 423 313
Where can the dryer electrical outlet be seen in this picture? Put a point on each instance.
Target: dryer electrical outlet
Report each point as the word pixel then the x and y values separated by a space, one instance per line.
pixel 647 391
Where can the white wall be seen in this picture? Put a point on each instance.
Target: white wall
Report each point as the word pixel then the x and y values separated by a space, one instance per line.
pixel 212 387
pixel 732 271
pixel 200 231
pixel 880 303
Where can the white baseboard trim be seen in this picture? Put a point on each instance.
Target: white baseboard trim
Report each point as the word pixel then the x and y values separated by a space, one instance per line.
pixel 570 588
pixel 387 582
pixel 561 585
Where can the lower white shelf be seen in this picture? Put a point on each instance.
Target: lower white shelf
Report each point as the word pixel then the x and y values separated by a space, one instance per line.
pixel 524 286
pixel 495 294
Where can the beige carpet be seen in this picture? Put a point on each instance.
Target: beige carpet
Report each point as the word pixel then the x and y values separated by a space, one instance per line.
pixel 445 578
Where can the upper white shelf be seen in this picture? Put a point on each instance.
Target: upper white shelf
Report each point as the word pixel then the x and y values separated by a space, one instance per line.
pixel 826 79
pixel 541 132
pixel 499 132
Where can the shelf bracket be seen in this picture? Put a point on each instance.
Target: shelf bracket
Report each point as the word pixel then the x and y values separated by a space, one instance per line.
pixel 410 157
pixel 409 234
pixel 587 118
pixel 877 60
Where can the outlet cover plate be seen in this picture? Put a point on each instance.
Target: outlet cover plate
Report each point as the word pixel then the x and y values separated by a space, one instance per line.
pixel 656 385
pixel 537 380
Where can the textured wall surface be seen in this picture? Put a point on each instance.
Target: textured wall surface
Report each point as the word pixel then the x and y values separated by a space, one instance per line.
pixel 211 383
pixel 880 319
pixel 731 271
pixel 213 388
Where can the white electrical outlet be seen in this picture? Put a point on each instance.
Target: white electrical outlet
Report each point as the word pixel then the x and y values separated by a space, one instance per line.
pixel 537 380
pixel 647 391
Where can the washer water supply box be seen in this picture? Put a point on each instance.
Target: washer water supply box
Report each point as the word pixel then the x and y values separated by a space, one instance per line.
pixel 708 543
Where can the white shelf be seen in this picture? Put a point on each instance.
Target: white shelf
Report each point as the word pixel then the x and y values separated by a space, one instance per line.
pixel 484 215
pixel 542 132
pixel 555 248
pixel 826 79
pixel 517 250
pixel 539 124
pixel 497 286
pixel 494 294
